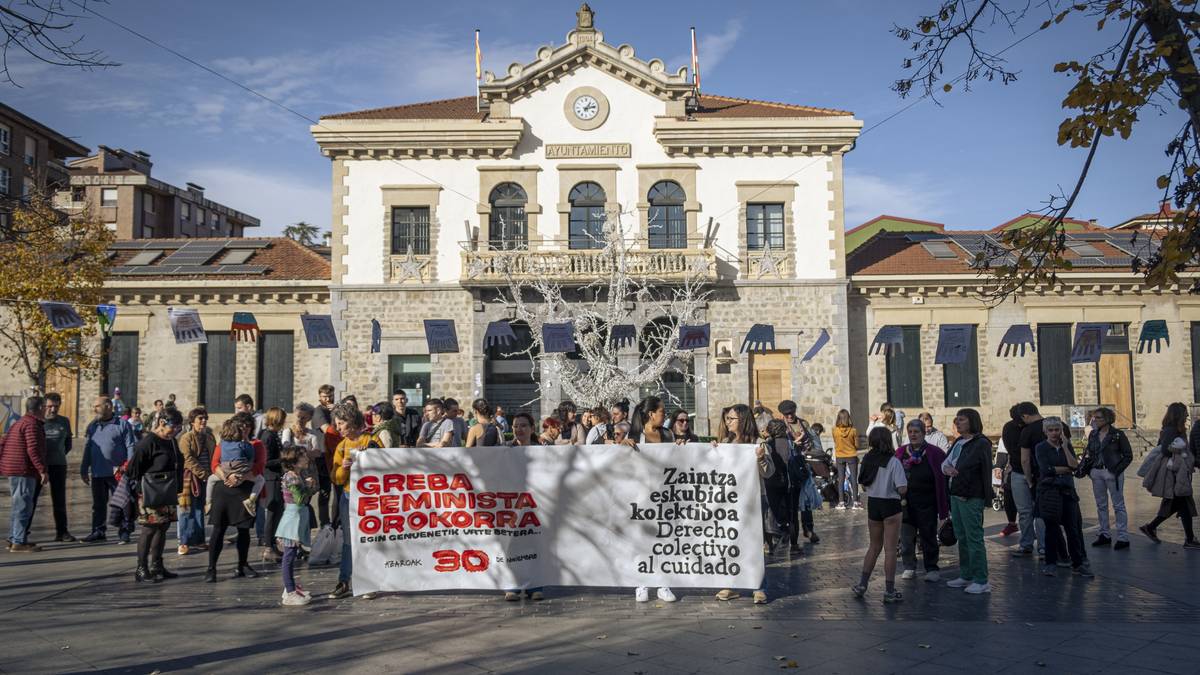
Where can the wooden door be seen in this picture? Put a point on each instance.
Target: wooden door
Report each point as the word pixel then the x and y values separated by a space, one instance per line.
pixel 1115 372
pixel 66 383
pixel 771 378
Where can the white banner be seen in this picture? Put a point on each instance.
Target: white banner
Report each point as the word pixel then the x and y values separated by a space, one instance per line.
pixel 593 515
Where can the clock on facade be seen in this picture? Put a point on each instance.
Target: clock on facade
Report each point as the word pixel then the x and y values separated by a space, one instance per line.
pixel 586 108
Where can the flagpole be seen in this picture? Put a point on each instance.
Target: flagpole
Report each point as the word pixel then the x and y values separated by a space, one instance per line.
pixel 478 72
pixel 695 64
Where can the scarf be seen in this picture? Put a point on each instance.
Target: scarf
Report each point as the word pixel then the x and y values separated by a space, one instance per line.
pixel 913 457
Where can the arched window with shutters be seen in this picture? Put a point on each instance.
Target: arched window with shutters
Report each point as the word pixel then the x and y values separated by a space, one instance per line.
pixel 587 216
pixel 666 221
pixel 507 225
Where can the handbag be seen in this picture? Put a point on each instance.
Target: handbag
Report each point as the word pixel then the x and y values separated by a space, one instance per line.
pixel 1085 466
pixel 160 488
pixel 946 535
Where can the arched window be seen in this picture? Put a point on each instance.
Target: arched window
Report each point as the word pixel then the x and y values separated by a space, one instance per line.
pixel 677 388
pixel 507 225
pixel 586 228
pixel 665 220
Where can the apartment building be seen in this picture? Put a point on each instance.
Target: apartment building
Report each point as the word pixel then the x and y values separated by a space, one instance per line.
pixel 32 158
pixel 116 184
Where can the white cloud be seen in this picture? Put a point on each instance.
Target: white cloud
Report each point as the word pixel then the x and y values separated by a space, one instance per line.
pixel 276 199
pixel 712 47
pixel 913 195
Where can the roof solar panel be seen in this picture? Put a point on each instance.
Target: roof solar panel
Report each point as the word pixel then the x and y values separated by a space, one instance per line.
pixel 236 257
pixel 195 253
pixel 1084 249
pixel 144 258
pixel 940 249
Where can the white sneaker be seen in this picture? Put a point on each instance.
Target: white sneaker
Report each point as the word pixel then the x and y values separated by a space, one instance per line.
pixel 909 574
pixel 977 589
pixel 642 594
pixel 933 577
pixel 295 600
pixel 666 595
pixel 959 583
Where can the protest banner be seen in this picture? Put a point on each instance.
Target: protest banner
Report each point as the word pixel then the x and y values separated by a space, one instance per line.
pixel 596 515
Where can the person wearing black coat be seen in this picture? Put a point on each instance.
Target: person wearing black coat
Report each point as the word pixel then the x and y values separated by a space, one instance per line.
pixel 155 463
pixel 273 423
pixel 969 467
pixel 1108 453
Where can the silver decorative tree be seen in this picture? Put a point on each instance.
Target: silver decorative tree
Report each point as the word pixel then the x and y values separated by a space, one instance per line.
pixel 623 282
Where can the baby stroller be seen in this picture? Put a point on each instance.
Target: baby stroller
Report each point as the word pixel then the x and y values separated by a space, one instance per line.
pixel 998 488
pixel 823 480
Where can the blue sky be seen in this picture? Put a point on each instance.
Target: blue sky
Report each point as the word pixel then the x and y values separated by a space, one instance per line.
pixel 976 160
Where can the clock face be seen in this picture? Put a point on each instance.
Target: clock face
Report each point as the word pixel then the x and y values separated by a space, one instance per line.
pixel 586 107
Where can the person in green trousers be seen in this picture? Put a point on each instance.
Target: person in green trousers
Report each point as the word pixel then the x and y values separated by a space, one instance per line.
pixel 969 467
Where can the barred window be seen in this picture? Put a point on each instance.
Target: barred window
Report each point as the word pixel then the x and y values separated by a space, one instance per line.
pixel 507 226
pixel 764 226
pixel 586 228
pixel 410 227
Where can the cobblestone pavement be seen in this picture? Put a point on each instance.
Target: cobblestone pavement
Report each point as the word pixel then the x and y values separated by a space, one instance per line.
pixel 76 608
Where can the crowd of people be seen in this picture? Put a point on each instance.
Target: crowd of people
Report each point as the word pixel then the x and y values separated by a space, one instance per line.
pixel 284 474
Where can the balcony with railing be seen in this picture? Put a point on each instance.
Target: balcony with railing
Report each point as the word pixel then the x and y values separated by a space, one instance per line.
pixel 490 264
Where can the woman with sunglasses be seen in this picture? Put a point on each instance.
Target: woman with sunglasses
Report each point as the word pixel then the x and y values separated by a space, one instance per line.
pixel 681 427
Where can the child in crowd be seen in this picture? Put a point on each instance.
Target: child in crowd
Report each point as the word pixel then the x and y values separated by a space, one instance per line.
pixel 237 456
pixel 294 525
pixel 135 421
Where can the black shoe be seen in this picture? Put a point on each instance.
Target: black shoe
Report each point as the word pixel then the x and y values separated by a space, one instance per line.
pixel 246 571
pixel 1102 540
pixel 65 536
pixel 162 572
pixel 94 537
pixel 210 576
pixel 1120 545
pixel 1150 533
pixel 1192 544
pixel 814 539
pixel 143 574
pixel 795 548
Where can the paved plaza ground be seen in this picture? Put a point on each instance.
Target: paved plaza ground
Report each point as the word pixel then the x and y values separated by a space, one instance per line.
pixel 76 608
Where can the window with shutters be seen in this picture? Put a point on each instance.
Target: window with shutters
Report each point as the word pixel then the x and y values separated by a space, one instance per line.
pixel 1196 361
pixel 276 370
pixel 1055 376
pixel 218 378
pixel 120 367
pixel 961 380
pixel 586 222
pixel 904 370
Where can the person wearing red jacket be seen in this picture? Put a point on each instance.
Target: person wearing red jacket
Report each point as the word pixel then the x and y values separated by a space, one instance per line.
pixel 23 461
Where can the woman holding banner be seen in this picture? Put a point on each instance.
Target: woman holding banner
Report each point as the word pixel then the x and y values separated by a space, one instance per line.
pixel 646 426
pixel 741 428
pixel 522 427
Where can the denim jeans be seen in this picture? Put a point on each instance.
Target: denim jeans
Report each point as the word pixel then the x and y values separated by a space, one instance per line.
pixel 22 488
pixel 1104 484
pixel 1023 496
pixel 346 569
pixel 191 520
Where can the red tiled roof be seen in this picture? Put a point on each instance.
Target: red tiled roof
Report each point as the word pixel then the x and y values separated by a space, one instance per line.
pixel 899 254
pixel 1085 225
pixel 284 259
pixel 876 219
pixel 711 106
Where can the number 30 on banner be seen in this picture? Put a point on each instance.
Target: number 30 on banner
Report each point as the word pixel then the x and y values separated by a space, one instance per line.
pixel 452 561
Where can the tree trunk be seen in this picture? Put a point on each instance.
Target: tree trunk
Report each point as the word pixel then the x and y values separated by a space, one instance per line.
pixel 1163 23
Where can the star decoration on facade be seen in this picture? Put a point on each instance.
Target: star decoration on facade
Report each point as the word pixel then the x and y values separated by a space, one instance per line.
pixel 769 264
pixel 699 266
pixel 476 267
pixel 410 267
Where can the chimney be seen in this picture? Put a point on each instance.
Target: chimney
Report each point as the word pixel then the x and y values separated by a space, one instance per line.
pixel 197 190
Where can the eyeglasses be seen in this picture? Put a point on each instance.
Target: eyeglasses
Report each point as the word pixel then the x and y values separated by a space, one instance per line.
pixel 733 418
pixel 681 420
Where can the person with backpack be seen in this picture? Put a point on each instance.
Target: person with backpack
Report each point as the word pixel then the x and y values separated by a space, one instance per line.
pixel 882 476
pixel 485 433
pixel 1108 454
pixel 927 506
